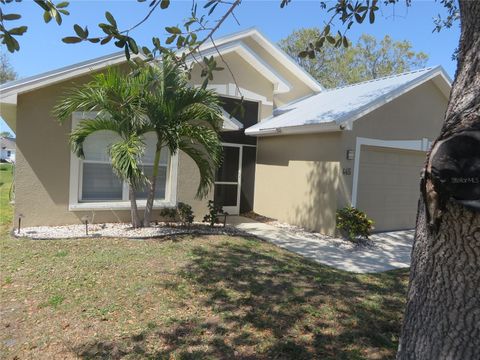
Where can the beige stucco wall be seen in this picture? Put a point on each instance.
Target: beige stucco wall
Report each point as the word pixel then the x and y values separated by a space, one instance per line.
pixel 43 165
pixel 296 179
pixel 415 115
pixel 244 76
pixel 299 178
pixel 299 89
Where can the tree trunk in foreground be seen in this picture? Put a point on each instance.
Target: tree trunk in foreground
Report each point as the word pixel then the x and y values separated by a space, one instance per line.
pixel 136 223
pixel 442 318
pixel 151 189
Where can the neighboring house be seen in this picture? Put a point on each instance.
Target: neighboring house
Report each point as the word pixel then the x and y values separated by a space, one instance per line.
pixel 7 149
pixel 298 154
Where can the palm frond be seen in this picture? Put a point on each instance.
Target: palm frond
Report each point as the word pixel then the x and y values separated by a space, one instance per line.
pixel 205 149
pixel 88 127
pixel 125 157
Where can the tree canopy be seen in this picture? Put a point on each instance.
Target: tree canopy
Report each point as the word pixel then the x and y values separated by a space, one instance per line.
pixel 367 59
pixel 7 73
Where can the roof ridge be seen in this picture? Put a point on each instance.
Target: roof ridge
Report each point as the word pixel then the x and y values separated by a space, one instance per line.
pixel 383 78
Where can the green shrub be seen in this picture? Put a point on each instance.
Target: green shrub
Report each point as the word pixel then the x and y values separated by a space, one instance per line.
pixel 185 213
pixel 170 214
pixel 213 211
pixel 353 223
pixel 182 212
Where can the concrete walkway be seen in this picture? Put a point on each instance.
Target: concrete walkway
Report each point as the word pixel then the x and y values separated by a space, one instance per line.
pixel 391 251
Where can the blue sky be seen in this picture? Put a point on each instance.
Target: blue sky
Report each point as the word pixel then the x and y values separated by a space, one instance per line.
pixel 42 49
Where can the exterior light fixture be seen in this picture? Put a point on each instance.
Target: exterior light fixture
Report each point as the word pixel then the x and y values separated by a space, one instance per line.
pixel 20 217
pixel 350 154
pixel 85 221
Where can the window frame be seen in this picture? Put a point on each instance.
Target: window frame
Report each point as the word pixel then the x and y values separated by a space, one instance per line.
pixel 76 180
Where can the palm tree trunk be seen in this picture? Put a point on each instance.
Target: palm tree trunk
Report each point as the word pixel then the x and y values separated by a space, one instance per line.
pixel 442 317
pixel 136 223
pixel 152 186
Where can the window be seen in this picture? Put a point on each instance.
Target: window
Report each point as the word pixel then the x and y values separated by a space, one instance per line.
pixel 94 184
pixel 99 182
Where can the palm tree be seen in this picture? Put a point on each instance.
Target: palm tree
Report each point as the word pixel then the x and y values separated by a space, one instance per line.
pixel 117 100
pixel 183 118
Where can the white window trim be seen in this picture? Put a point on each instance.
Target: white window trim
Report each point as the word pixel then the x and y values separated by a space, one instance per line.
pixel 417 145
pixel 75 183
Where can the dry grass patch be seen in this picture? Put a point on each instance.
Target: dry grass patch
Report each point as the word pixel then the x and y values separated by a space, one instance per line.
pixel 190 298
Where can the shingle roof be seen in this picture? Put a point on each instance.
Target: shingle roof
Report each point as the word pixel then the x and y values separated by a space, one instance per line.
pixel 338 106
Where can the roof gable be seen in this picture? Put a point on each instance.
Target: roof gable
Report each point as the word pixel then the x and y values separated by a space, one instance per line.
pixel 336 109
pixel 253 33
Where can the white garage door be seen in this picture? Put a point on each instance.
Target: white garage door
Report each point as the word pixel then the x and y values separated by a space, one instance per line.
pixel 388 186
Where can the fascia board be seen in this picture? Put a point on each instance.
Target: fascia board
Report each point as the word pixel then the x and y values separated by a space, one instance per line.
pixel 291 130
pixel 55 76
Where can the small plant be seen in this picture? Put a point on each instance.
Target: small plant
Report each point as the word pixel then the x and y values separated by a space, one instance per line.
pixel 185 213
pixel 353 223
pixel 170 214
pixel 54 301
pixel 213 211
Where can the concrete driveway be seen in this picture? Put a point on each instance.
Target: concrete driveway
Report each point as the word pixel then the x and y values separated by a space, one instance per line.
pixel 391 250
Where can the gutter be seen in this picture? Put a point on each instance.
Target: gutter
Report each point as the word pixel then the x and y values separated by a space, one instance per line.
pixel 330 126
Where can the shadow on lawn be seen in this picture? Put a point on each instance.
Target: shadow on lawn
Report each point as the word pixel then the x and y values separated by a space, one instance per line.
pixel 274 305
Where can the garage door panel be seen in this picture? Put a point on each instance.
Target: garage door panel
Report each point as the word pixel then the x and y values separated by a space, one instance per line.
pixel 388 186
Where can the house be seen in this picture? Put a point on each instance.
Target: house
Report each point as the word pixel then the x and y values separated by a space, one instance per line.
pixel 7 149
pixel 298 153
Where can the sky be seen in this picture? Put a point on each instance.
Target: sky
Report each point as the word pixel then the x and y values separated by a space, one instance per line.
pixel 41 48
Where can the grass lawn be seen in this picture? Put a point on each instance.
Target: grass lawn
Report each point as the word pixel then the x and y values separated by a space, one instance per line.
pixel 204 297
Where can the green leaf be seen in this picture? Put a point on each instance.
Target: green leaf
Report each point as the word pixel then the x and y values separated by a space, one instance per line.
pixel 173 30
pixel 110 19
pixel 303 54
pixel 18 30
pixel 63 4
pixel 132 45
pixel 120 43
pixel 319 43
pixel 330 39
pixel 146 50
pixel 63 11
pixel 209 3
pixel 71 40
pixel 11 16
pixel 94 40
pixel 106 40
pixel 212 9
pixel 107 29
pixel 127 52
pixel 164 4
pixel 372 16
pixel 180 42
pixel 11 42
pixel 47 17
pixel 58 17
pixel 170 39
pixel 156 42
pixel 345 42
pixel 80 32
pixel 327 30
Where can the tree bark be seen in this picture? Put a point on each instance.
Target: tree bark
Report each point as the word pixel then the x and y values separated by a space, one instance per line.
pixel 442 318
pixel 151 189
pixel 136 223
